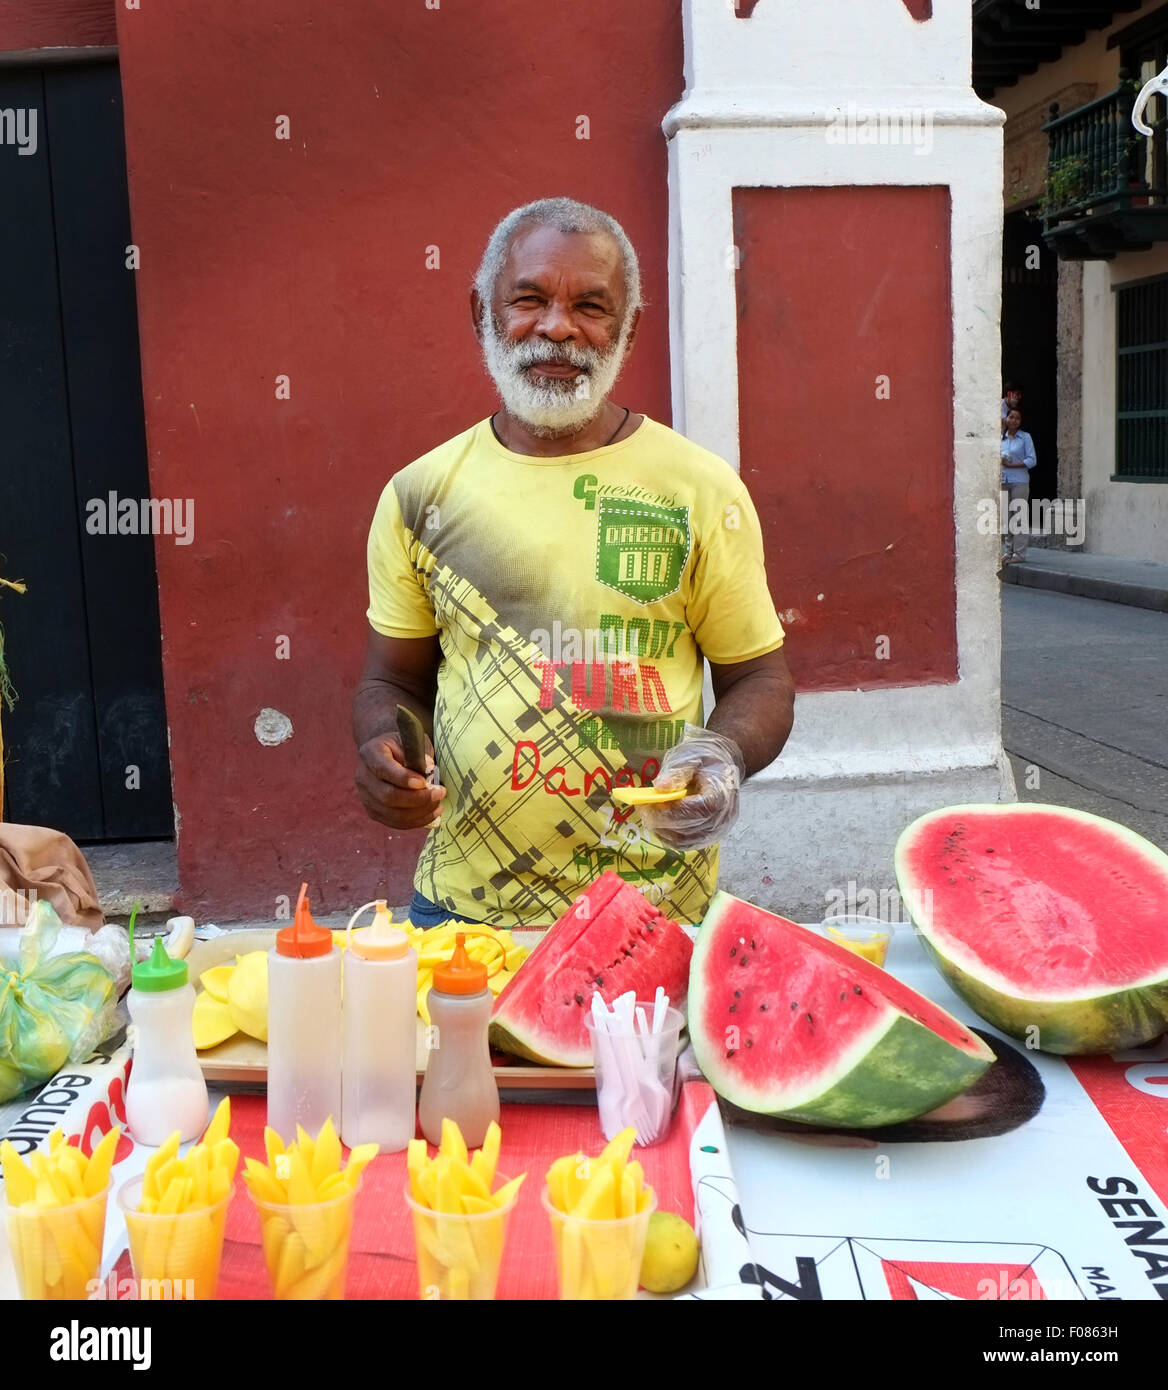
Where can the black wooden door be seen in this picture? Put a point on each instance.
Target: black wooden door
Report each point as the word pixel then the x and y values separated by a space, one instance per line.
pixel 85 745
pixel 1030 341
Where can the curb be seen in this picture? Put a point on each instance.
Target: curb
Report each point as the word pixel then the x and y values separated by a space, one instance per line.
pixel 1031 576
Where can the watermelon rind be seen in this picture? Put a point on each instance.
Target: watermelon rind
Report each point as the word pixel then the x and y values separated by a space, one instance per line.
pixel 895 1072
pixel 1076 1023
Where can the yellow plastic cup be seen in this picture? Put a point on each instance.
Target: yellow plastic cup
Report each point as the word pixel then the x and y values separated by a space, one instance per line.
pixel 306 1246
pixel 175 1257
pixel 598 1259
pixel 57 1250
pixel 459 1257
pixel 866 936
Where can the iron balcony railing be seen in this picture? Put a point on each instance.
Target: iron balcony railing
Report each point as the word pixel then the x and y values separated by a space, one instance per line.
pixel 1098 161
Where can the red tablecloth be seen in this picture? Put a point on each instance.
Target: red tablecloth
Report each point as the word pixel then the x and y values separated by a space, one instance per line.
pixel 381 1263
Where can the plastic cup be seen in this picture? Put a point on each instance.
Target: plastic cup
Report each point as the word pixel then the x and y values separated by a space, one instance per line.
pixel 635 1075
pixel 57 1250
pixel 174 1256
pixel 459 1257
pixel 306 1246
pixel 866 936
pixel 598 1259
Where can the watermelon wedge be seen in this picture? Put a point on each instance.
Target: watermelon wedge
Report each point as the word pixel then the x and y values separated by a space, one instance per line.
pixel 785 1022
pixel 1051 923
pixel 611 940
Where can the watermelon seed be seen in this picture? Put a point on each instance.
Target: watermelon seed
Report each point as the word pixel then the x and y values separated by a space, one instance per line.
pixel 857 989
pixel 733 1008
pixel 600 981
pixel 843 996
pixel 579 999
pixel 733 950
pixel 730 1052
pixel 750 1042
pixel 810 1020
pixel 737 994
pixel 744 960
pixel 794 1003
pixel 762 1008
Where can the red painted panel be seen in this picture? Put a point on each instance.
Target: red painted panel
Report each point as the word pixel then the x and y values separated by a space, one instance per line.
pixel 56 24
pixel 411 128
pixel 838 287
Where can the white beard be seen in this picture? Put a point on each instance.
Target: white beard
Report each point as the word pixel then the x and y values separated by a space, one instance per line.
pixel 557 407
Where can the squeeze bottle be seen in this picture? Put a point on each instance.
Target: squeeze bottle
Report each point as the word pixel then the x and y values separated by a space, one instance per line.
pixel 379 1080
pixel 166 1090
pixel 459 1083
pixel 304 1026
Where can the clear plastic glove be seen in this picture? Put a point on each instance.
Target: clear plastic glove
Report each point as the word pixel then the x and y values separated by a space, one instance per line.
pixel 710 767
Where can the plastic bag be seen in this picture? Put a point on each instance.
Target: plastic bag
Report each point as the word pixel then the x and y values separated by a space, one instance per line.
pixel 53 1009
pixel 711 767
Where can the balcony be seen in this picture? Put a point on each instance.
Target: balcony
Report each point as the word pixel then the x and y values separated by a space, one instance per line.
pixel 1106 185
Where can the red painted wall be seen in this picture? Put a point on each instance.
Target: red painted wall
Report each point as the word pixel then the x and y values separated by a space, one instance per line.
pixel 836 287
pixel 411 127
pixel 26 24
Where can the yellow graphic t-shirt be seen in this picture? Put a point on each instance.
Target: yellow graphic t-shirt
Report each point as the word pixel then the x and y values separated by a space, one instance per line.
pixel 574 599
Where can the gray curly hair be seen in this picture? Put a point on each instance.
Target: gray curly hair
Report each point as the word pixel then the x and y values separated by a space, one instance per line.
pixel 564 215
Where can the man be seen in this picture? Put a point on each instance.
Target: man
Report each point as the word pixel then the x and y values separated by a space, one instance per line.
pixel 543 589
pixel 1011 400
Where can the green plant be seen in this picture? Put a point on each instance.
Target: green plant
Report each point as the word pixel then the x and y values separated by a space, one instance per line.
pixel 1065 181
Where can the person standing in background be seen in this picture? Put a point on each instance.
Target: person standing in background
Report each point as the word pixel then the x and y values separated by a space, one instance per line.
pixel 1011 400
pixel 1018 458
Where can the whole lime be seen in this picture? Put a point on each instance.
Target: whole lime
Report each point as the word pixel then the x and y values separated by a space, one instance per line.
pixel 671 1253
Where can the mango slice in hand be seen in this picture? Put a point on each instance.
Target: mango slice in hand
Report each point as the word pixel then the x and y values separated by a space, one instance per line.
pixel 647 796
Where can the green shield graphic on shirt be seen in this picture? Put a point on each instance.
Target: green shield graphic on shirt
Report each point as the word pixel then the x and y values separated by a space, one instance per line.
pixel 641 549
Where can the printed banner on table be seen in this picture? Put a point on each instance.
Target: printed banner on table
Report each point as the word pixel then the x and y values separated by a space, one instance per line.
pixel 1063 1195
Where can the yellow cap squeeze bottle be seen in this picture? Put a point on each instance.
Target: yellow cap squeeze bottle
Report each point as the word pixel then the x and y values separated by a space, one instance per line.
pixel 459 1083
pixel 304 1025
pixel 379 1083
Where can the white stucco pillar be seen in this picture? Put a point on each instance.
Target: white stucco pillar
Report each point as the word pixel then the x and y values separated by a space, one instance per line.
pixel 760 93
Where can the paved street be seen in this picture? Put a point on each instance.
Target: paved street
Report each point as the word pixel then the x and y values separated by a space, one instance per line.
pixel 1085 702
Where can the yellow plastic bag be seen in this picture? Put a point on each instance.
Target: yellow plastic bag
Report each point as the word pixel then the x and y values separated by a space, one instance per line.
pixel 53 1009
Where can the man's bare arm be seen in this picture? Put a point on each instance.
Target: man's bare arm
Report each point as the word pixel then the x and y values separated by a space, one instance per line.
pixel 397 671
pixel 754 706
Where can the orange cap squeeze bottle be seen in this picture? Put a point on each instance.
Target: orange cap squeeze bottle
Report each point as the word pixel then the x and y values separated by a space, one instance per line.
pixel 460 974
pixel 304 937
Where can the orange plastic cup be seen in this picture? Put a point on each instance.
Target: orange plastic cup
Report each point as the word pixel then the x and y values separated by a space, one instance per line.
pixel 598 1260
pixel 57 1250
pixel 306 1246
pixel 459 1256
pixel 175 1257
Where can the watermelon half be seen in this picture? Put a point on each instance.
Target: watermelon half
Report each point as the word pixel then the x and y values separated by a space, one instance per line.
pixel 785 1022
pixel 1051 923
pixel 611 940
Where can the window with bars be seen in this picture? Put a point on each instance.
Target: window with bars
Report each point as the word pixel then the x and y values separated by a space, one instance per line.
pixel 1141 382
